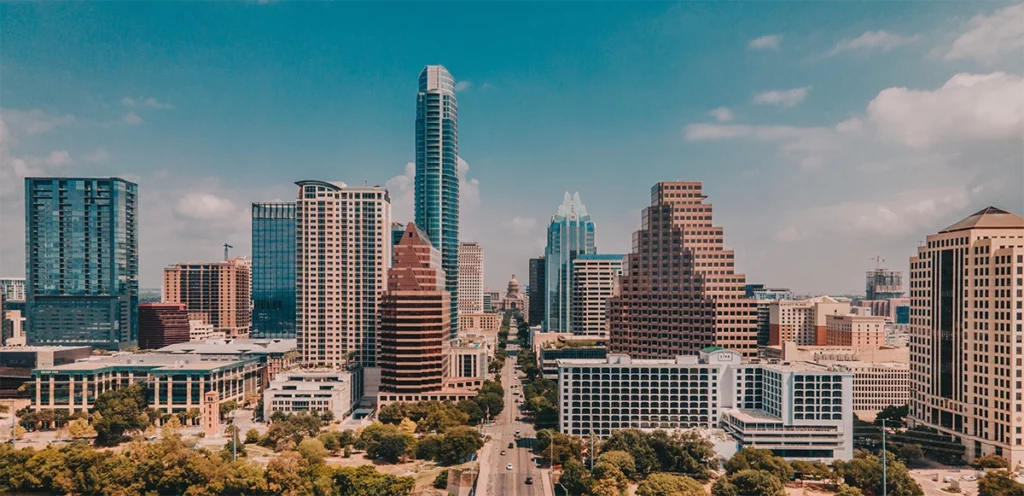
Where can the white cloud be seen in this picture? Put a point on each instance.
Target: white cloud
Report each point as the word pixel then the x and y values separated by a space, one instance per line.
pixel 767 42
pixel 988 38
pixel 873 40
pixel 463 85
pixel 403 196
pixel 788 235
pixel 782 98
pixel 15 124
pixel 469 188
pixel 852 125
pixel 521 225
pixel 206 206
pixel 132 119
pixel 148 102
pixel 721 114
pixel 791 138
pixel 96 156
pixel 968 107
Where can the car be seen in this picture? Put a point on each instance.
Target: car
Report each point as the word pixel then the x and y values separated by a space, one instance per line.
pixel 511 445
pixel 508 467
pixel 502 452
pixel 970 478
pixel 529 481
pixel 517 433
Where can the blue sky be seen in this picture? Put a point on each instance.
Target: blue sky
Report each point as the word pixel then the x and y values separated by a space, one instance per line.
pixel 845 130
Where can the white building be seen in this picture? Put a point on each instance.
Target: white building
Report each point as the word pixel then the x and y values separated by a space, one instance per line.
pixel 595 278
pixel 877 385
pixel 797 410
pixel 199 330
pixel 468 359
pixel 13 288
pixel 335 391
pixel 471 278
pixel 342 259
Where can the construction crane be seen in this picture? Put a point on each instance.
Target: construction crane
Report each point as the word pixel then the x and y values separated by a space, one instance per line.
pixel 878 261
pixel 226 246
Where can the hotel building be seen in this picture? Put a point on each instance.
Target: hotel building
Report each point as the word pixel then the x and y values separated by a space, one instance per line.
pixel 471 278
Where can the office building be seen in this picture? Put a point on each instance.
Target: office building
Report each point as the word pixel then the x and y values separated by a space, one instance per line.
pixel 173 383
pixel 966 289
pixel 570 234
pixel 492 299
pixel 480 322
pixel 471 278
pixel 218 292
pixel 17 363
pixel 895 310
pixel 162 324
pixel 468 360
pixel 538 286
pixel 201 330
pixel 595 279
pixel 273 270
pixel 81 262
pixel 797 410
pixel 273 355
pixel 855 331
pixel 679 292
pixel 437 179
pixel 13 288
pixel 883 284
pixel 335 391
pixel 343 255
pixel 803 321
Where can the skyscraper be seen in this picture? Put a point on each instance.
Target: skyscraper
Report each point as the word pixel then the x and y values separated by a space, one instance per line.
pixel 414 318
pixel 437 180
pixel 570 234
pixel 536 291
pixel 966 331
pixel 471 277
pixel 595 279
pixel 883 284
pixel 273 270
pixel 342 256
pixel 679 292
pixel 81 261
pixel 215 292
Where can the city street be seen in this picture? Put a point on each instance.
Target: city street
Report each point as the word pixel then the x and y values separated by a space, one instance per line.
pixel 495 479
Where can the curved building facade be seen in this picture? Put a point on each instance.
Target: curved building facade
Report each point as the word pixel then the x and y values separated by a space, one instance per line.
pixel 570 234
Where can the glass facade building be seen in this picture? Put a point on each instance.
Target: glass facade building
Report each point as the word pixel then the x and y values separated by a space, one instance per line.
pixel 570 234
pixel 437 181
pixel 81 262
pixel 273 270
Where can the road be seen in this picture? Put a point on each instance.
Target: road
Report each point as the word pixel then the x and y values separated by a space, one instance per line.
pixel 495 479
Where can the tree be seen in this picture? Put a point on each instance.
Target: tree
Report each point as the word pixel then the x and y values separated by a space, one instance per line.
pixel 606 487
pixel 441 420
pixel 845 490
pixel 894 416
pixel 80 428
pixel 866 474
pixel 575 477
pixel 312 450
pixel 407 426
pixel 119 411
pixel 227 407
pixel 806 470
pixel 171 428
pixel 620 459
pixel 662 484
pixel 604 471
pixel 757 482
pixel 429 447
pixel 565 446
pixel 635 442
pixel 990 461
pixel 392 447
pixel 458 444
pixel 759 459
pixel 441 481
pixel 999 483
pixel 491 404
pixel 909 453
pixel 252 436
pixel 391 414
pixel 472 409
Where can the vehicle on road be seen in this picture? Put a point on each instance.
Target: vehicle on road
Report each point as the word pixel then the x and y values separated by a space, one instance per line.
pixel 517 433
pixel 502 452
pixel 508 467
pixel 970 478
pixel 529 481
pixel 511 445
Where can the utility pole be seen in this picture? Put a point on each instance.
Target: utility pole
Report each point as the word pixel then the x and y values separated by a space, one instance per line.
pixel 885 481
pixel 234 432
pixel 592 450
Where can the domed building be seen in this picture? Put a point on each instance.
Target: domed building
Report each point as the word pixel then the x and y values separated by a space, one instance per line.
pixel 515 299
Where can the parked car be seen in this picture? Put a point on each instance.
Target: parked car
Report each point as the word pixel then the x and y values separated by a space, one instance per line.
pixel 529 481
pixel 502 452
pixel 511 445
pixel 508 467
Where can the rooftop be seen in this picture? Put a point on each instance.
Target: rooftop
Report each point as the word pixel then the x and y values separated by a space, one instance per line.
pixel 40 348
pixel 599 256
pixel 747 415
pixel 232 346
pixel 988 218
pixel 155 362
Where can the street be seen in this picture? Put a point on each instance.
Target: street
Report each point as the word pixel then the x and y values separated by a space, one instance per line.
pixel 494 478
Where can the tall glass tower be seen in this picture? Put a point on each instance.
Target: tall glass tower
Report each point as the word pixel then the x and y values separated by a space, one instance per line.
pixel 81 262
pixel 437 181
pixel 570 234
pixel 273 270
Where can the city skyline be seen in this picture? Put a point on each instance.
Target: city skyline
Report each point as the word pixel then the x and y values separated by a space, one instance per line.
pixel 871 180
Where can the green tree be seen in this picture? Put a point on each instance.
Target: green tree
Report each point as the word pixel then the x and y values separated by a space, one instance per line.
pixel 636 443
pixel 894 416
pixel 565 446
pixel 472 410
pixel 662 484
pixel 909 453
pixel 312 450
pixel 575 477
pixel 866 474
pixel 990 461
pixel 607 471
pixel 999 483
pixel 441 481
pixel 757 482
pixel 620 459
pixel 490 403
pixel 392 447
pixel 391 414
pixel 458 444
pixel 80 428
pixel 252 436
pixel 119 412
pixel 759 459
pixel 441 420
pixel 429 447
pixel 845 490
pixel 606 487
pixel 806 470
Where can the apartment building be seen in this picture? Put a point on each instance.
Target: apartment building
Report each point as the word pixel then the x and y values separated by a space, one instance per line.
pixel 471 278
pixel 857 331
pixel 595 279
pixel 220 292
pixel 803 321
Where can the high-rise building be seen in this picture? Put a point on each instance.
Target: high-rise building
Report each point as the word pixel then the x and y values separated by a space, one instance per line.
pixel 81 261
pixel 471 278
pixel 273 270
pixel 437 179
pixel 679 291
pixel 803 321
pixel 966 327
pixel 764 298
pixel 13 288
pixel 570 234
pixel 492 300
pixel 414 319
pixel 216 291
pixel 595 279
pixel 537 287
pixel 162 324
pixel 342 257
pixel 883 284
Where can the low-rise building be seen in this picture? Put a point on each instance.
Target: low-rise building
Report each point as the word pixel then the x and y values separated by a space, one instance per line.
pixel 480 322
pixel 569 349
pixel 17 363
pixel 200 330
pixel 796 410
pixel 335 391
pixel 856 331
pixel 468 360
pixel 803 321
pixel 274 355
pixel 174 383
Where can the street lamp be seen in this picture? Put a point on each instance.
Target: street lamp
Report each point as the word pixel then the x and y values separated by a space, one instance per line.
pixel 885 481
